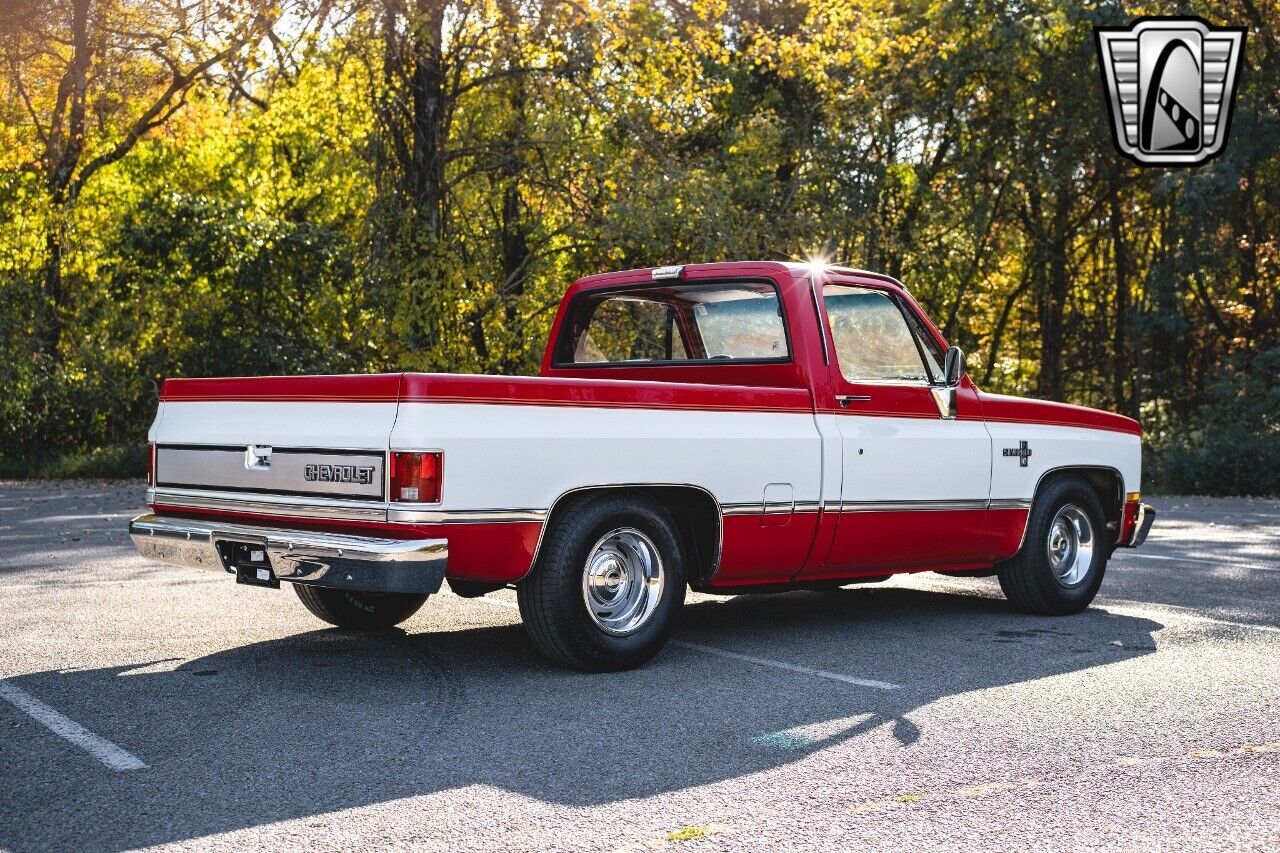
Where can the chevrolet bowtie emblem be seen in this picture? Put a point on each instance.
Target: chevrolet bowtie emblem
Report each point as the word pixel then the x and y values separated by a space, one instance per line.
pixel 1170 85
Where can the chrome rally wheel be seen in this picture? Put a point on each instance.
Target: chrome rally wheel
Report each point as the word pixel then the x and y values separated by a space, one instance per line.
pixel 622 581
pixel 608 583
pixel 1064 551
pixel 1070 545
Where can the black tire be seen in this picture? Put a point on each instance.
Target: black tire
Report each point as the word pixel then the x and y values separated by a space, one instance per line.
pixel 359 611
pixel 1028 578
pixel 553 602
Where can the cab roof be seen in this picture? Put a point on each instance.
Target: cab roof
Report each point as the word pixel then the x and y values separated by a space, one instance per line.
pixel 796 269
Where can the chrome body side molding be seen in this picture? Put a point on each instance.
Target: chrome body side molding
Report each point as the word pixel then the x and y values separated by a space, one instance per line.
pixel 293 506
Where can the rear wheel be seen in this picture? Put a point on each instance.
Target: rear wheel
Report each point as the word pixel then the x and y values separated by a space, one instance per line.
pixel 1064 554
pixel 608 584
pixel 360 611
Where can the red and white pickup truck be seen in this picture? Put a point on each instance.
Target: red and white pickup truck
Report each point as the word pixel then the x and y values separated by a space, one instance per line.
pixel 727 427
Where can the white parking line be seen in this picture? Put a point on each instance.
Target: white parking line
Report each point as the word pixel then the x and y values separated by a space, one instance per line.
pixel 1177 616
pixel 1264 565
pixel 1118 606
pixel 65 727
pixel 789 667
pixel 776 664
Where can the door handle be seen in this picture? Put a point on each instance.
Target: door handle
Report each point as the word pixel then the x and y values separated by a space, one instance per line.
pixel 846 399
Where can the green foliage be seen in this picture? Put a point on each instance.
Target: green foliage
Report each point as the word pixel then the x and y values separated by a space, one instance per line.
pixel 114 462
pixel 1235 450
pixel 411 185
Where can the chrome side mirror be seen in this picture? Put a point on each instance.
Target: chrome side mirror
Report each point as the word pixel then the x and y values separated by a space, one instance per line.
pixel 953 367
pixel 944 395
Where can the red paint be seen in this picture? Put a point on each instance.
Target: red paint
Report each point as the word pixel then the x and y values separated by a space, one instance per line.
pixel 492 390
pixel 599 393
pixel 367 388
pixel 876 542
pixel 1005 409
pixel 755 553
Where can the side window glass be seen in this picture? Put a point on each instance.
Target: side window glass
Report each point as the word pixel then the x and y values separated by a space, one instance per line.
pixel 928 346
pixel 871 336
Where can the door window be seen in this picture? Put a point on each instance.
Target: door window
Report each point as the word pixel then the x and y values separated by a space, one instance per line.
pixel 873 340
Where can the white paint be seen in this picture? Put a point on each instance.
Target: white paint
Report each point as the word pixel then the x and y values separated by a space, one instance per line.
pixel 1178 616
pixel 64 727
pixel 913 459
pixel 1139 609
pixel 789 667
pixel 811 734
pixel 1265 565
pixel 1056 447
pixel 348 426
pixel 528 456
pixel 776 664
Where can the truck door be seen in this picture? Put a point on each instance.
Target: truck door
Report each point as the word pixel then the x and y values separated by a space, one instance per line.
pixel 916 479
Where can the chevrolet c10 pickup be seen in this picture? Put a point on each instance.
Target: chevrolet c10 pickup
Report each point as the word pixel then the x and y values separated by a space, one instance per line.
pixel 729 427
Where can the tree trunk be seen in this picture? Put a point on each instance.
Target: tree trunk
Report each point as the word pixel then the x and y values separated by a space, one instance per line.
pixel 49 319
pixel 63 147
pixel 515 237
pixel 1051 384
pixel 1122 364
pixel 424 175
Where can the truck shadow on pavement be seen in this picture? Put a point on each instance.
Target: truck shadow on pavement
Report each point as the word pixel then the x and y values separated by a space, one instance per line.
pixel 328 720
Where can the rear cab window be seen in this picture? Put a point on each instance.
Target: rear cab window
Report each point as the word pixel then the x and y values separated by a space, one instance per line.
pixel 714 323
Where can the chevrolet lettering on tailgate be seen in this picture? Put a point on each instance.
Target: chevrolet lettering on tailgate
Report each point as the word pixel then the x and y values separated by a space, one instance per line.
pixel 362 474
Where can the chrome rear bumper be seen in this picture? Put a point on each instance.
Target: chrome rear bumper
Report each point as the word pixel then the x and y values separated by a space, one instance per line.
pixel 367 564
pixel 1141 525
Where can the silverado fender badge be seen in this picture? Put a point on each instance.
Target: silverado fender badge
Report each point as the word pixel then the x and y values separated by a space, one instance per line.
pixel 1022 451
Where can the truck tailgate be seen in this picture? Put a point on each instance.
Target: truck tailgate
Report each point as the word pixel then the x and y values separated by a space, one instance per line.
pixel 276 436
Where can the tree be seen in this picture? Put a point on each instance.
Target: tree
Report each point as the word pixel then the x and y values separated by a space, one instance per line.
pixel 94 78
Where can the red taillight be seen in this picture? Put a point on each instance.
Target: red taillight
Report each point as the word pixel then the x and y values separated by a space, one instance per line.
pixel 415 477
pixel 151 465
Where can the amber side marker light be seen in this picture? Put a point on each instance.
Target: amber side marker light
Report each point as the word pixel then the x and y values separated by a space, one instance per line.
pixel 415 477
pixel 1133 497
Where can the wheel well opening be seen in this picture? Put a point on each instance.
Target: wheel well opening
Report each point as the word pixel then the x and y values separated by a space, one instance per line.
pixel 694 511
pixel 1106 484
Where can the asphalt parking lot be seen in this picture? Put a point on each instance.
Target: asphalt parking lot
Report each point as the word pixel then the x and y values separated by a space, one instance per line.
pixel 918 714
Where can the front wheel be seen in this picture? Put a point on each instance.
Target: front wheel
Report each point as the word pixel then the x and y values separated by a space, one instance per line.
pixel 608 584
pixel 359 611
pixel 1064 553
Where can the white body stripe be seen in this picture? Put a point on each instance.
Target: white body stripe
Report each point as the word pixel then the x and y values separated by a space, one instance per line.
pixel 1055 447
pixel 524 457
pixel 527 456
pixel 336 425
pixel 914 459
